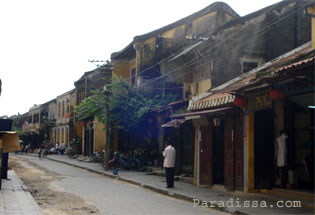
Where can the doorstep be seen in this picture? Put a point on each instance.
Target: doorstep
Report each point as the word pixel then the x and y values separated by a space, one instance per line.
pixel 294 194
pixel 160 172
pixel 276 194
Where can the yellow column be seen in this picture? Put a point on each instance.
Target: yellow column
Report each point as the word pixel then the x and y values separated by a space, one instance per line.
pixel 139 48
pixel 311 11
pixel 250 152
pixel 196 155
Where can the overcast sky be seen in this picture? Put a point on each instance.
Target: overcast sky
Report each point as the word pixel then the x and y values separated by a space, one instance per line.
pixel 45 45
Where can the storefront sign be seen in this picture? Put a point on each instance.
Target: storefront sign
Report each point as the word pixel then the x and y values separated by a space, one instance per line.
pixel 258 100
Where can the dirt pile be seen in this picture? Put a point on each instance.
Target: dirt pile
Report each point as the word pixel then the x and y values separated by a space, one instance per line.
pixel 41 183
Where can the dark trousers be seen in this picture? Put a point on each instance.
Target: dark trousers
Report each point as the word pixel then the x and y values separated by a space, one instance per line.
pixel 169 172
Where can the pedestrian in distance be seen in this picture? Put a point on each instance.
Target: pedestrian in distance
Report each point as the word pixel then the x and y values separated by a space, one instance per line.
pixel 57 148
pixel 40 151
pixel 169 154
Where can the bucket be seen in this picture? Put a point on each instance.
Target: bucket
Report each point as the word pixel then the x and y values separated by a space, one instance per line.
pixel 115 171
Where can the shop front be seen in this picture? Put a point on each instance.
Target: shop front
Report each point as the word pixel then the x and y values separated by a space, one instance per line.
pixel 218 147
pixel 280 131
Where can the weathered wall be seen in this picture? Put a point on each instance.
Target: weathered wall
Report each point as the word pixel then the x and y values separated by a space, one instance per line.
pixel 262 38
pixel 123 68
pixel 195 67
pixel 99 136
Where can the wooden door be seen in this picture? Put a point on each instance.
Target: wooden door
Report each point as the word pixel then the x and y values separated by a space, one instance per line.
pixel 187 152
pixel 229 154
pixel 205 156
pixel 238 154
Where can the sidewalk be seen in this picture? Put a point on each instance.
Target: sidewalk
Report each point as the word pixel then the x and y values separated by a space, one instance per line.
pixel 14 199
pixel 204 195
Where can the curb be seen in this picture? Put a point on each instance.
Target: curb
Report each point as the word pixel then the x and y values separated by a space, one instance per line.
pixel 154 189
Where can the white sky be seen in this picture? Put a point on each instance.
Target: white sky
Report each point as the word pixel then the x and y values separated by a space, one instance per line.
pixel 45 45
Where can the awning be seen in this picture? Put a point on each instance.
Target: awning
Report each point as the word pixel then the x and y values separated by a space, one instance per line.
pixel 216 99
pixel 174 123
pixel 200 112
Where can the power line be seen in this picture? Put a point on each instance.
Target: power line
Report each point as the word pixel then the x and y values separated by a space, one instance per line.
pixel 196 59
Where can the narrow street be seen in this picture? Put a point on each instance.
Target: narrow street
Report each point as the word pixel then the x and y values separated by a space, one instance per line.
pixel 62 189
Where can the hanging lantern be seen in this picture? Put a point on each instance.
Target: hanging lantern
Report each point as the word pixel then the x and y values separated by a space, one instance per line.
pixel 216 122
pixel 277 94
pixel 239 102
pixel 81 123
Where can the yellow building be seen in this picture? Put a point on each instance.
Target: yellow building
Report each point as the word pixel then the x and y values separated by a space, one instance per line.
pixel 142 59
pixel 89 129
pixel 61 132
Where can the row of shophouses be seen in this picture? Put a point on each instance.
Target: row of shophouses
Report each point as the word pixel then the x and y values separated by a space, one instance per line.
pixel 238 82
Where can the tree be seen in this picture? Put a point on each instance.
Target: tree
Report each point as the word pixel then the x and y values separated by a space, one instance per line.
pixel 128 107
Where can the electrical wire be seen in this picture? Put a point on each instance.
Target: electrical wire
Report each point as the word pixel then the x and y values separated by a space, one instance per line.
pixel 196 59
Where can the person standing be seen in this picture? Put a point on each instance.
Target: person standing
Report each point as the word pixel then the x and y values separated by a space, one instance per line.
pixel 57 148
pixel 169 154
pixel 282 157
pixel 40 150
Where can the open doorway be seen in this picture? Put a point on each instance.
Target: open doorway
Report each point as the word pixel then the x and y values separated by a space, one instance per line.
pixel 264 149
pixel 218 153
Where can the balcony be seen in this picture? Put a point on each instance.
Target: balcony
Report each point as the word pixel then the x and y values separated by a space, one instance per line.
pixel 31 128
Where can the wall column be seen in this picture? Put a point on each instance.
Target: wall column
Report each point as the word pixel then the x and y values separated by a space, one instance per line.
pixel 311 12
pixel 250 174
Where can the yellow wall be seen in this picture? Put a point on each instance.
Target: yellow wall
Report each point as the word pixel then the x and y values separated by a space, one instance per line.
pixel 122 68
pixel 99 136
pixel 82 145
pixel 78 129
pixel 204 86
pixel 311 10
pixel 250 151
pixel 198 22
pixel 170 34
pixel 151 42
pixel 196 155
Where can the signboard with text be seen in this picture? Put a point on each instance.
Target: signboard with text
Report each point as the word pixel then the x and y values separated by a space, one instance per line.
pixel 258 100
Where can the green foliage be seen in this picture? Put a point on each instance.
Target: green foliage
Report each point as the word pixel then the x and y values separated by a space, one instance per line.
pixel 128 107
pixel 76 145
pixel 19 132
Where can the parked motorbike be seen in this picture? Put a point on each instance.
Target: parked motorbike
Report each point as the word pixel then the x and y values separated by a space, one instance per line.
pixel 127 162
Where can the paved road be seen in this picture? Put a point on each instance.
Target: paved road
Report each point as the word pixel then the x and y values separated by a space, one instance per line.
pixel 111 196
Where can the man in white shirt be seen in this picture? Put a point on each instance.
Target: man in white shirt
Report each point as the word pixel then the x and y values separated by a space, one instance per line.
pixel 169 154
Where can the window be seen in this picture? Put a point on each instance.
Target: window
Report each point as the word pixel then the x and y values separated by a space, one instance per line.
pixel 63 109
pixel 59 110
pixel 68 108
pixel 248 66
pixel 250 62
pixel 133 77
pixel 189 31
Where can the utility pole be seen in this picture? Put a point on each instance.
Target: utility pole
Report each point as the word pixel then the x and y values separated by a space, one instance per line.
pixel 107 69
